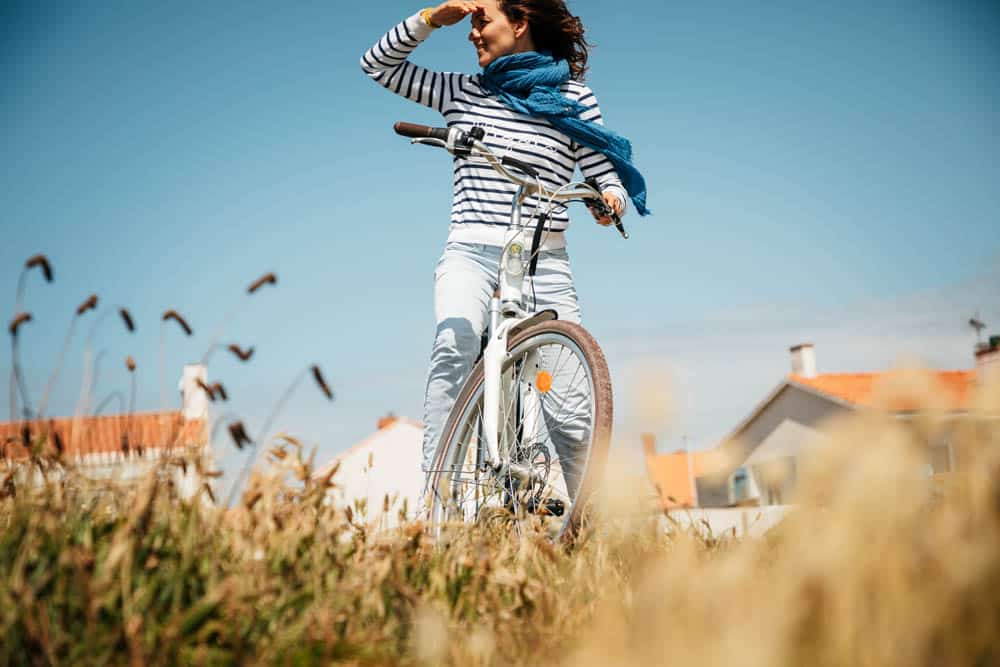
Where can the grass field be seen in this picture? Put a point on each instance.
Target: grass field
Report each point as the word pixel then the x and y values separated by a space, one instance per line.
pixel 876 566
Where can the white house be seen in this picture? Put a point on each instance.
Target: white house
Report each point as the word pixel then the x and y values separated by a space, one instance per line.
pixel 123 447
pixel 763 450
pixel 384 467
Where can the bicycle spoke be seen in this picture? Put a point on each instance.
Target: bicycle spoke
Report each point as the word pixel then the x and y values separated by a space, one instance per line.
pixel 572 469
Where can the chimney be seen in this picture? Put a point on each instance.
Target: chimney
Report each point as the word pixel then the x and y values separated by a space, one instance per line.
pixel 386 421
pixel 803 360
pixel 194 400
pixel 988 359
pixel 648 444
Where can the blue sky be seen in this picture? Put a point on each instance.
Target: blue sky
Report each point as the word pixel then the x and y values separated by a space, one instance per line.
pixel 818 171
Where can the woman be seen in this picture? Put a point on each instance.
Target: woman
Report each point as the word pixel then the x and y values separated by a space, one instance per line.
pixel 532 104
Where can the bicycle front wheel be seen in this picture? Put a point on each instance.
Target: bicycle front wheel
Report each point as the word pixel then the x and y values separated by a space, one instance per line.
pixel 554 431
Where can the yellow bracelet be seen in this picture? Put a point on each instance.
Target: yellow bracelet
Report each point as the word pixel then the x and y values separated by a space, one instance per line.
pixel 425 14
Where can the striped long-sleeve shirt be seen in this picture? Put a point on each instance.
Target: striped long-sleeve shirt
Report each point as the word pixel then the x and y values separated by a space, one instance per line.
pixel 480 211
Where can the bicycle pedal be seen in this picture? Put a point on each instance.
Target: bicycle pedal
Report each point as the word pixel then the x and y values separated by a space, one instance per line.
pixel 547 507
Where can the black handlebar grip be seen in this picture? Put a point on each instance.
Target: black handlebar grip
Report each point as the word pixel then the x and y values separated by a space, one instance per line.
pixel 415 131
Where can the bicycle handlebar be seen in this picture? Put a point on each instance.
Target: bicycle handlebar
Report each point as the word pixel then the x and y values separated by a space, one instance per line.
pixel 456 141
pixel 415 131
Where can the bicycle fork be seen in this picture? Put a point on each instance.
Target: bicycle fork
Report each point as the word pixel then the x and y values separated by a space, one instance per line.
pixel 496 384
pixel 493 358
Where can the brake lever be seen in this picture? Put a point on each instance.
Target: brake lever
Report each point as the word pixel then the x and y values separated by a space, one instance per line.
pixel 602 208
pixel 429 141
pixel 457 151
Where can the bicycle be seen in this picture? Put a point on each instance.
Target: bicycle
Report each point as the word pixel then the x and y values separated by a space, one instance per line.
pixel 527 437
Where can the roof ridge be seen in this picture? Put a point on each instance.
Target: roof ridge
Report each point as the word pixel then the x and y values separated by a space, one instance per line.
pixel 932 371
pixel 134 415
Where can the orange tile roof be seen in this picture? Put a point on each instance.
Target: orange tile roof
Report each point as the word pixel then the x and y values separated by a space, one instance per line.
pixel 901 391
pixel 672 474
pixel 104 434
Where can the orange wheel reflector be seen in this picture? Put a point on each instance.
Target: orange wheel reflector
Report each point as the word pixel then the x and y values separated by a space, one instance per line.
pixel 543 381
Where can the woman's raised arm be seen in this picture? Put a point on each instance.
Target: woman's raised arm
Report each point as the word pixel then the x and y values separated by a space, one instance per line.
pixel 386 61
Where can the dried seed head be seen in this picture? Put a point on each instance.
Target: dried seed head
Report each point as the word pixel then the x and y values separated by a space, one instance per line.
pixel 214 474
pixel 7 488
pixel 130 364
pixel 243 355
pixel 89 304
pixel 127 319
pixel 321 382
pixel 220 391
pixel 19 319
pixel 208 490
pixel 266 279
pixel 57 440
pixel 239 434
pixel 26 436
pixel 174 315
pixel 124 443
pixel 205 388
pixel 43 262
pixel 327 478
pixel 349 513
pixel 252 499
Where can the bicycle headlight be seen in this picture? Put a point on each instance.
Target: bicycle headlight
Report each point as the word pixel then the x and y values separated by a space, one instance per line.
pixel 515 263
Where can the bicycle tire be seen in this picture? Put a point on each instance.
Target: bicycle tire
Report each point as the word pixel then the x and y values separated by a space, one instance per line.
pixel 462 414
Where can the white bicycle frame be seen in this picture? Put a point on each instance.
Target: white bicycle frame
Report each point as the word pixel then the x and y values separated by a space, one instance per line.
pixel 507 311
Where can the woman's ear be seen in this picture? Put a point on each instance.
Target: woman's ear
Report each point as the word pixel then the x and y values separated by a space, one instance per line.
pixel 520 28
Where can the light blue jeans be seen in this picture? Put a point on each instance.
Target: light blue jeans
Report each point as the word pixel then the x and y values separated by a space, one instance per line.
pixel 464 281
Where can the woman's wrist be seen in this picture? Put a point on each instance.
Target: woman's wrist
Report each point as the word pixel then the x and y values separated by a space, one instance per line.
pixel 425 14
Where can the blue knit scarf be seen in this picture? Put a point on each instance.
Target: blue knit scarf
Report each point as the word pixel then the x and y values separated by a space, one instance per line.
pixel 529 83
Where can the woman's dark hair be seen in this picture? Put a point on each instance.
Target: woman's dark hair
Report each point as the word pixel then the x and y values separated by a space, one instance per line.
pixel 553 29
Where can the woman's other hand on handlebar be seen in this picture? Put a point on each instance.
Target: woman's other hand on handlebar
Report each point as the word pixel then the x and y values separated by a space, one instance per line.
pixel 453 11
pixel 614 203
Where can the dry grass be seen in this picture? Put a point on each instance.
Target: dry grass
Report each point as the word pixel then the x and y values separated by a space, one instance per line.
pixel 877 566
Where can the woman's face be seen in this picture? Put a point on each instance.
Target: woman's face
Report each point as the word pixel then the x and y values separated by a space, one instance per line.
pixel 493 35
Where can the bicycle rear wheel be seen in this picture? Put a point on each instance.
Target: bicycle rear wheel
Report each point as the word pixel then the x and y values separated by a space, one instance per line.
pixel 555 427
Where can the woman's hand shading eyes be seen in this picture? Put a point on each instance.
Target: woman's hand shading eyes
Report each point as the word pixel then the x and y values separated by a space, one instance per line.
pixel 453 11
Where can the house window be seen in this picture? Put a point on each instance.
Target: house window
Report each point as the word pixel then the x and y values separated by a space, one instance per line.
pixel 940 458
pixel 740 484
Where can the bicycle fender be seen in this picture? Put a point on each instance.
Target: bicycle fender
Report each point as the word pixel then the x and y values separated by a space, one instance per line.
pixel 537 318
